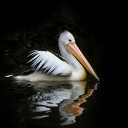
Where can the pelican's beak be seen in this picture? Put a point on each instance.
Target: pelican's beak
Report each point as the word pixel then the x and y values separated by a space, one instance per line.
pixel 72 48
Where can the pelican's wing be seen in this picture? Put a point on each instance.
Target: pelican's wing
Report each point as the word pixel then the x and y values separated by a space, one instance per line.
pixel 48 62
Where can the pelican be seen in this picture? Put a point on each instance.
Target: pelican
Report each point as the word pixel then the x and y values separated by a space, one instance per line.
pixel 49 66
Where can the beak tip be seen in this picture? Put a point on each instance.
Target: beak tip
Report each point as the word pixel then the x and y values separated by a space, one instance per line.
pixel 98 80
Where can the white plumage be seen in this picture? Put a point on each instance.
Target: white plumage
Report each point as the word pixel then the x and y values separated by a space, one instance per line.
pixel 48 66
pixel 52 64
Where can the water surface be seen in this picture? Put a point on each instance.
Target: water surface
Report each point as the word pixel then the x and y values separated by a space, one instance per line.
pixel 47 104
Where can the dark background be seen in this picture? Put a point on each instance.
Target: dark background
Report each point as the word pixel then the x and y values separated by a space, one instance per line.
pixel 18 18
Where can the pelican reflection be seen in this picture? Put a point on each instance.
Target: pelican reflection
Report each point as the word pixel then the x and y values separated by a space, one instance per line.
pixel 63 98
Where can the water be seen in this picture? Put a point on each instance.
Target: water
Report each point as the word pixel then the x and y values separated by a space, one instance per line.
pixel 45 104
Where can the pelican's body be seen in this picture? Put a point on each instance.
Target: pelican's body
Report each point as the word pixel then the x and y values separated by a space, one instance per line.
pixel 47 66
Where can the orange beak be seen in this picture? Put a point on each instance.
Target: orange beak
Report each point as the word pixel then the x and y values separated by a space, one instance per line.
pixel 73 48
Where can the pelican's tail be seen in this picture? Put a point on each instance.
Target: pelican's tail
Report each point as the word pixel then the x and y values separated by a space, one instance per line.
pixel 21 76
pixel 8 76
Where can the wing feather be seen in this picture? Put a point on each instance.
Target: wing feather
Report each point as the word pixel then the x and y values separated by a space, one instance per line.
pixel 49 63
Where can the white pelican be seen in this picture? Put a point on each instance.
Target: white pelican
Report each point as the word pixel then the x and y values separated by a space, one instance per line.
pixel 49 66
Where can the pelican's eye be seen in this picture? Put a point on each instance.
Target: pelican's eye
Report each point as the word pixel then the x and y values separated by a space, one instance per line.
pixel 70 41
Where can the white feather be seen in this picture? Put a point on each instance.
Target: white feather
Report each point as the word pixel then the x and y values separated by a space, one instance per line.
pixel 47 61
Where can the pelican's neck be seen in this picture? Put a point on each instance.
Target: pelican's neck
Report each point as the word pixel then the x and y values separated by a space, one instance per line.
pixel 69 57
pixel 78 72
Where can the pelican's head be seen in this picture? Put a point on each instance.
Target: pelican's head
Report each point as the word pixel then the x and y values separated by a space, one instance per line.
pixel 68 41
pixel 66 37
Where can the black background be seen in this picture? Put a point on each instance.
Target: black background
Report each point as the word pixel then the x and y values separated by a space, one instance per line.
pixel 104 17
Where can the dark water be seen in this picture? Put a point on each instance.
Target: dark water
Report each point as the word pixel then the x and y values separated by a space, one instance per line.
pixel 47 104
